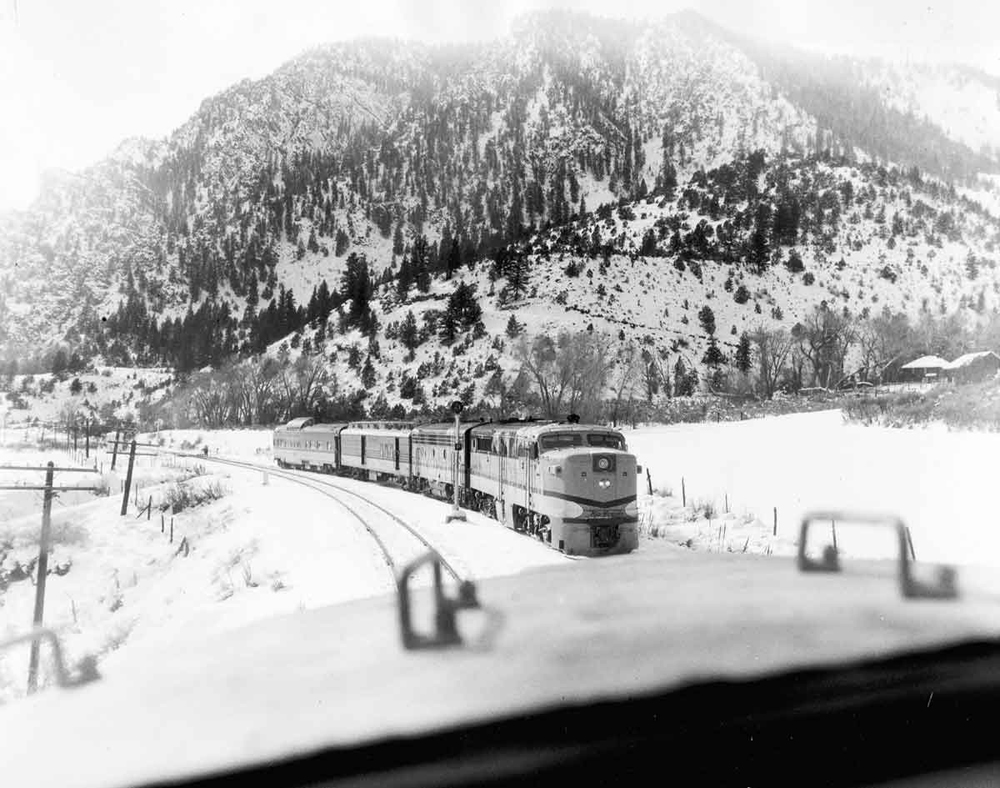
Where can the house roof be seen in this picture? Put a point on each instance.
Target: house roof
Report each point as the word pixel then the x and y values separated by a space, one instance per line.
pixel 969 358
pixel 927 362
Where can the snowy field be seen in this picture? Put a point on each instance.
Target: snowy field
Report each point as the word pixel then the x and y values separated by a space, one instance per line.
pixel 118 587
pixel 941 483
pixel 937 481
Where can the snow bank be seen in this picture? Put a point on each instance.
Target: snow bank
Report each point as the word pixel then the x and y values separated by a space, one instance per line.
pixel 940 482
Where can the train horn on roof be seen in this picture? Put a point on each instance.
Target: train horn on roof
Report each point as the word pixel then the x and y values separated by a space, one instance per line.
pixel 573 418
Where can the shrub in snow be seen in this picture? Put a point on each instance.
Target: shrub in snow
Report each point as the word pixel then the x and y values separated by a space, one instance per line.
pixel 794 262
pixel 102 487
pixel 183 496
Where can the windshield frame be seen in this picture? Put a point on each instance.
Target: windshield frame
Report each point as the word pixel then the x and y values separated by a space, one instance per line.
pixel 555 441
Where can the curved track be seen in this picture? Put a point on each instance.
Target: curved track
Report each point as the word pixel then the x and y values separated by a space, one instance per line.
pixel 326 486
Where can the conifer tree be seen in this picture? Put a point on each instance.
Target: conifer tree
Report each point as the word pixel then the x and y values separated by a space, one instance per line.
pixel 368 377
pixel 713 356
pixel 341 243
pixel 684 381
pixel 409 334
pixel 453 259
pixel 517 275
pixel 448 326
pixel 420 264
pixel 744 361
pixel 404 279
pixel 707 319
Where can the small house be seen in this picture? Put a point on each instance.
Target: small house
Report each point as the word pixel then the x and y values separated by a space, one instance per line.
pixel 973 367
pixel 926 369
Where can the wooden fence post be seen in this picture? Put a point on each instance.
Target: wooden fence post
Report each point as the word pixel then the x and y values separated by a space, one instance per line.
pixel 775 521
pixel 649 481
pixel 684 500
pixel 114 451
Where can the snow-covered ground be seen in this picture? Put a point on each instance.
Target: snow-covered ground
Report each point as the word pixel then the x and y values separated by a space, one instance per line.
pixel 111 392
pixel 120 589
pixel 941 483
pixel 123 589
pixel 253 445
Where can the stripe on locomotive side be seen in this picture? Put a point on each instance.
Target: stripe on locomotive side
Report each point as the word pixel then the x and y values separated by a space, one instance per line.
pixel 590 501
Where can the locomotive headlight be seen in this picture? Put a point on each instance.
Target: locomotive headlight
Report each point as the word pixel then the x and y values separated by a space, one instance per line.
pixel 604 483
pixel 603 464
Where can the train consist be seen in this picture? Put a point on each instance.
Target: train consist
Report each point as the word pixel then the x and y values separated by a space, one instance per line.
pixel 571 485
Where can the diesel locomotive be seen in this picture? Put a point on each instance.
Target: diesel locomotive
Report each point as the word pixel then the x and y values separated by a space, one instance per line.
pixel 571 485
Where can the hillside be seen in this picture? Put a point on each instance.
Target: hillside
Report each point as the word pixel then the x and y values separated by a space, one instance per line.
pixel 579 173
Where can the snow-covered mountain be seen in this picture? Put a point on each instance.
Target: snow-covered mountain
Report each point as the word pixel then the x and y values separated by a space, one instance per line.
pixel 624 175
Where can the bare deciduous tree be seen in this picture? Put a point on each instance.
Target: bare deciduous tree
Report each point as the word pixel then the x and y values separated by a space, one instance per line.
pixel 772 347
pixel 570 372
pixel 824 337
pixel 303 382
pixel 882 340
pixel 257 390
pixel 209 399
pixel 626 377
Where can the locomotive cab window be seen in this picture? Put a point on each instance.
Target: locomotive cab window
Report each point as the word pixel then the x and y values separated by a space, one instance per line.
pixel 560 440
pixel 606 440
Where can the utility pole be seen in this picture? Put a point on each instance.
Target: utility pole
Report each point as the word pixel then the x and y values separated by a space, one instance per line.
pixel 43 568
pixel 456 512
pixel 128 478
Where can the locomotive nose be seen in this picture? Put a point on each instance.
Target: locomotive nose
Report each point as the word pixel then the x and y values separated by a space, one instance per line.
pixel 608 476
pixel 604 462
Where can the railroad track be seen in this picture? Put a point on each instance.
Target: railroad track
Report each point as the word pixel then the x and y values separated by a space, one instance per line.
pixel 392 555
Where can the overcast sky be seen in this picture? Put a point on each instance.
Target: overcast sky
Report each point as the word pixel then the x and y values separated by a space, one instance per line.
pixel 79 76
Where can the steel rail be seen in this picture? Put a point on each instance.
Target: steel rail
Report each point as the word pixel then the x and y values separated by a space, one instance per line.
pixel 324 485
pixel 326 482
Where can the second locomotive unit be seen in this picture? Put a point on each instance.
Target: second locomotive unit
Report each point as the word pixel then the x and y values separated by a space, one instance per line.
pixel 572 485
